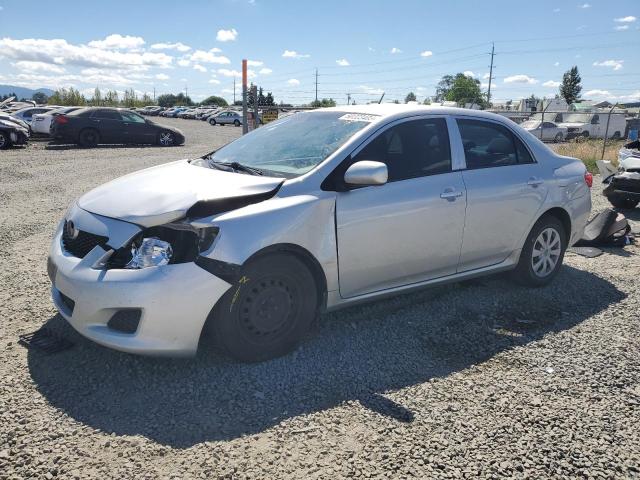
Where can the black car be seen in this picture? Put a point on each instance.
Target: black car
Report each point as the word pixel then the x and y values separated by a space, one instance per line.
pixel 13 131
pixel 90 126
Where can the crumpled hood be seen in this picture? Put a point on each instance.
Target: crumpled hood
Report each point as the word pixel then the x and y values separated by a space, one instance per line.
pixel 162 194
pixel 572 124
pixel 629 159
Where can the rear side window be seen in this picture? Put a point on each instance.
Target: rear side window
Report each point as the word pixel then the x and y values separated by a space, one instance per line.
pixel 488 144
pixel 107 115
pixel 411 149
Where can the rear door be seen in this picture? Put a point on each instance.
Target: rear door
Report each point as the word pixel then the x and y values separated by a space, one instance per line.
pixel 505 190
pixel 110 125
pixel 410 229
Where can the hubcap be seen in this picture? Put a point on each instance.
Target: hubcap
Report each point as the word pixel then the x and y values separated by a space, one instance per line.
pixel 2 141
pixel 546 252
pixel 166 138
pixel 268 309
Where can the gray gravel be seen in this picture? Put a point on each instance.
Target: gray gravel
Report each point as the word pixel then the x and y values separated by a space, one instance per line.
pixel 477 379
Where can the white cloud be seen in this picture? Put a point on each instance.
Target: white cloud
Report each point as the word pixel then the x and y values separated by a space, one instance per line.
pixel 254 63
pixel 627 19
pixel 215 81
pixel 293 81
pixel 556 10
pixel 225 72
pixel 162 76
pixel 621 27
pixel 199 68
pixel 585 5
pixel 61 52
pixel 556 64
pixel 598 93
pixel 119 42
pixel 371 90
pixel 469 73
pixel 227 35
pixel 520 79
pixel 485 76
pixel 183 62
pixel 426 53
pixel 179 46
pixel 551 83
pixel 343 62
pixel 227 90
pixel 395 50
pixel 294 54
pixel 265 71
pixel 615 64
pixel 38 67
pixel 209 57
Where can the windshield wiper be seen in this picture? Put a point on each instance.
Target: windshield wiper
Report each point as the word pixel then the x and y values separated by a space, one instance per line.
pixel 238 167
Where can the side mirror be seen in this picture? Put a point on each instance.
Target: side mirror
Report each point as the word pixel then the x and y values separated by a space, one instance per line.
pixel 365 173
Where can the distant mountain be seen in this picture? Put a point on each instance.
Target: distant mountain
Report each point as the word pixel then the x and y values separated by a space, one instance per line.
pixel 22 92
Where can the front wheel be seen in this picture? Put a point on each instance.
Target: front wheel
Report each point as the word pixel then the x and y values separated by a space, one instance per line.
pixel 542 253
pixel 5 141
pixel 267 310
pixel 558 138
pixel 167 139
pixel 212 121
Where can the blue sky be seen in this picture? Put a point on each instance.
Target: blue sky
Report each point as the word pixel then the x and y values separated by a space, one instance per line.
pixel 359 47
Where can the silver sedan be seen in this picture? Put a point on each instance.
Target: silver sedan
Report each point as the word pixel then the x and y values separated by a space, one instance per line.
pixel 314 212
pixel 227 117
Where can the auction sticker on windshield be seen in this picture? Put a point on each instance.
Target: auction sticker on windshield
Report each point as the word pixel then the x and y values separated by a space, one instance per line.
pixel 359 117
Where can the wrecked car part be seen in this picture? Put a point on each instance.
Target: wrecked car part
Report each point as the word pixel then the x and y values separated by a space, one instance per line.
pixel 206 208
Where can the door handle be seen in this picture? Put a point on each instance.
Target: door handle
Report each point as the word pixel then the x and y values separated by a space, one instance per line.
pixel 534 182
pixel 450 194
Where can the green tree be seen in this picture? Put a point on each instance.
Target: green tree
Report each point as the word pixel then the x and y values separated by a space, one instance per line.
pixel 461 89
pixel 325 102
pixel 96 100
pixel 411 97
pixel 40 98
pixel 214 100
pixel 129 99
pixel 167 100
pixel 268 100
pixel 443 87
pixel 570 87
pixel 67 97
pixel 111 99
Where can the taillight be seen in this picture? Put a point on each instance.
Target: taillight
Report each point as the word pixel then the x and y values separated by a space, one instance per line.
pixel 588 179
pixel 61 119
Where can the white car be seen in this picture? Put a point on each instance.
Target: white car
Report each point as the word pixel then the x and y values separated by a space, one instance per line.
pixel 26 114
pixel 41 122
pixel 545 130
pixel 317 211
pixel 623 187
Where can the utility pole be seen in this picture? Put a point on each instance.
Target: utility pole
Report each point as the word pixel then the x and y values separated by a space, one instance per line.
pixel 245 125
pixel 490 72
pixel 348 99
pixel 316 85
pixel 234 90
pixel 186 91
pixel 154 94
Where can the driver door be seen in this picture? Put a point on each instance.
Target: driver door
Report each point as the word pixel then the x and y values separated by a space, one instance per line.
pixel 409 229
pixel 136 128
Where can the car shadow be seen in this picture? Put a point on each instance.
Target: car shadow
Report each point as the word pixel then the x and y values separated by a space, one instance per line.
pixel 71 146
pixel 356 354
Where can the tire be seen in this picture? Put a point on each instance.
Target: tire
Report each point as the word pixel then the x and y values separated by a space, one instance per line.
pixel 267 310
pixel 5 141
pixel 530 271
pixel 212 121
pixel 616 136
pixel 583 137
pixel 558 138
pixel 621 202
pixel 166 138
pixel 89 137
pixel 236 123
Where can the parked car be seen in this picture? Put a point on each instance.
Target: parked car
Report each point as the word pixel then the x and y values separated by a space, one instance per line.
pixel 174 112
pixel 623 188
pixel 26 114
pixel 226 117
pixel 593 125
pixel 13 131
pixel 545 130
pixel 90 126
pixel 321 210
pixel 41 122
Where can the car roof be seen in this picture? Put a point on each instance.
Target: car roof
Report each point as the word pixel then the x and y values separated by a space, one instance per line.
pixel 388 111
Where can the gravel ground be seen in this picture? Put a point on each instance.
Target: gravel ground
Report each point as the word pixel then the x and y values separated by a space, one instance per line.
pixel 482 378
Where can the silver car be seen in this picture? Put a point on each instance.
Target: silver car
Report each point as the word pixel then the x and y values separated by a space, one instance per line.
pixel 226 117
pixel 545 130
pixel 314 212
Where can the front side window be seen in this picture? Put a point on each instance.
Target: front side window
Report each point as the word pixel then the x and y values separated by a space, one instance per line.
pixel 411 149
pixel 131 117
pixel 488 144
pixel 293 145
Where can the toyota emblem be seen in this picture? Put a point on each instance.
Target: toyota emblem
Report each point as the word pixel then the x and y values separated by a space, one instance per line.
pixel 70 230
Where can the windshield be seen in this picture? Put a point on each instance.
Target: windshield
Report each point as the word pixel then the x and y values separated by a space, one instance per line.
pixel 530 124
pixel 294 145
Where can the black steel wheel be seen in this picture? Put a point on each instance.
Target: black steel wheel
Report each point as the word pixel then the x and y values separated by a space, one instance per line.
pixel 89 137
pixel 267 310
pixel 5 141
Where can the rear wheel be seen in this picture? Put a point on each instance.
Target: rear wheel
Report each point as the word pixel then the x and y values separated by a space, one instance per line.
pixel 542 253
pixel 268 310
pixel 167 138
pixel 89 137
pixel 616 136
pixel 621 202
pixel 5 141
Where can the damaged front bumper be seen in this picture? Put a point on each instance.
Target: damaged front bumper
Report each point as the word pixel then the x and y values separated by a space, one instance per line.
pixel 625 185
pixel 164 308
